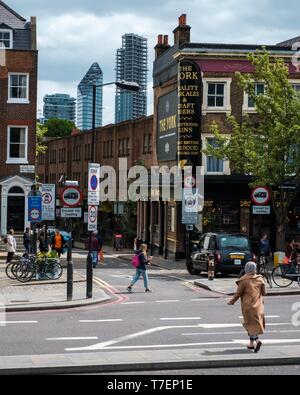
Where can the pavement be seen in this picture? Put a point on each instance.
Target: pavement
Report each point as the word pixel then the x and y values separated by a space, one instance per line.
pixel 117 361
pixel 228 286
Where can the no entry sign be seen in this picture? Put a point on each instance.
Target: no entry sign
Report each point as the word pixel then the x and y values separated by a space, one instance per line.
pixel 260 196
pixel 71 197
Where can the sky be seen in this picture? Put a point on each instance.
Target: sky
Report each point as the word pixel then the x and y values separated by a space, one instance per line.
pixel 73 34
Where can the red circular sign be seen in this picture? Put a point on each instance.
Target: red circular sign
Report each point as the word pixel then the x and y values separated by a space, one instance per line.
pixel 261 196
pixel 93 213
pixel 71 197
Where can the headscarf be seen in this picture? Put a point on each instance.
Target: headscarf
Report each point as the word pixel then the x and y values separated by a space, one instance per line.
pixel 250 268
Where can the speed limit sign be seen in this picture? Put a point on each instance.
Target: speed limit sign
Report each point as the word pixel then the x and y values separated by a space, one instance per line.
pixel 92 218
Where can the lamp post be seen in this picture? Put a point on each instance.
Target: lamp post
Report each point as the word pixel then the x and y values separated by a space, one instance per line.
pixel 125 85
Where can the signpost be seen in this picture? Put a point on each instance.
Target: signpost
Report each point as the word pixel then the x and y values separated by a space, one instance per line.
pixel 190 207
pixel 94 184
pixel 261 210
pixel 67 212
pixel 92 218
pixel 71 197
pixel 261 196
pixel 35 208
pixel 48 207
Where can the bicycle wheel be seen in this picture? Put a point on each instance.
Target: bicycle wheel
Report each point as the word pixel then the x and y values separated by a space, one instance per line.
pixel 267 276
pixel 9 270
pixel 53 270
pixel 280 276
pixel 24 273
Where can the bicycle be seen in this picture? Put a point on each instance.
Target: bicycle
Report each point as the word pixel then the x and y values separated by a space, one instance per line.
pixel 38 268
pixel 285 274
pixel 264 270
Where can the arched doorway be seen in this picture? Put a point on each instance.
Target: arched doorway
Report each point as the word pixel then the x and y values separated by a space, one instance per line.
pixel 16 209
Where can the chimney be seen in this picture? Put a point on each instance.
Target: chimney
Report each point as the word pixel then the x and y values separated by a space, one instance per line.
pixel 162 45
pixel 33 33
pixel 182 33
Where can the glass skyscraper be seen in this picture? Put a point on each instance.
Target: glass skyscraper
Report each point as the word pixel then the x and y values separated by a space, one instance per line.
pixel 132 65
pixel 85 98
pixel 60 106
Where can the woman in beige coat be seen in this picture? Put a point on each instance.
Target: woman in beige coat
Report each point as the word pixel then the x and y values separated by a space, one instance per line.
pixel 251 289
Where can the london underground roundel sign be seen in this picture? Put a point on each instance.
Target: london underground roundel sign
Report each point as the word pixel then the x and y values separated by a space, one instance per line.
pixel 71 197
pixel 261 196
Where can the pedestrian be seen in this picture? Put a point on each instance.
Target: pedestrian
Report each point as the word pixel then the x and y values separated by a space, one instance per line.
pixel 58 242
pixel 94 249
pixel 26 241
pixel 100 246
pixel 264 246
pixel 141 269
pixel 11 246
pixel 251 289
pixel 43 241
pixel 291 250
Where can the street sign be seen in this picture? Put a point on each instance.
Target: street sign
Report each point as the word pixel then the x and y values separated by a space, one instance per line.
pixel 48 207
pixel 190 182
pixel 261 210
pixel 92 218
pixel 67 212
pixel 94 185
pixel 189 228
pixel 27 169
pixel 35 208
pixel 190 207
pixel 71 197
pixel 261 196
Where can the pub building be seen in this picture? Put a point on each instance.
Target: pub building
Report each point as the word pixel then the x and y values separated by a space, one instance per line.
pixel 194 85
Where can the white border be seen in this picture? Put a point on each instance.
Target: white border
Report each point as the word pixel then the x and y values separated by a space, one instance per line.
pixel 12 161
pixel 226 164
pixel 227 108
pixel 11 37
pixel 14 100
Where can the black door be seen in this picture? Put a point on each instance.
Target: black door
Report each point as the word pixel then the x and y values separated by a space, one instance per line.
pixel 15 213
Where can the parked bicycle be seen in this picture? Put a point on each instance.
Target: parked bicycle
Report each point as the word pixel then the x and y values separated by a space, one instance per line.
pixel 31 267
pixel 285 274
pixel 264 269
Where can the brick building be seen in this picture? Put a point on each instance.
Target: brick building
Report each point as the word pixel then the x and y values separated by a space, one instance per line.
pixel 18 85
pixel 227 195
pixel 70 156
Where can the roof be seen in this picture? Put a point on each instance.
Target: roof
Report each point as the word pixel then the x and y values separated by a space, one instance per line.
pixel 12 11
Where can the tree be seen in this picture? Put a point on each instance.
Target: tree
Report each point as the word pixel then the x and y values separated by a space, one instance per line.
pixel 59 127
pixel 41 132
pixel 266 146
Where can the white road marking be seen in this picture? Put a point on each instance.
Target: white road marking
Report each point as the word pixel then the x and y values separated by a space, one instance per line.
pixel 133 303
pixel 18 322
pixel 205 300
pixel 221 326
pixel 271 341
pixel 267 316
pixel 71 338
pixel 167 301
pixel 180 319
pixel 232 333
pixel 91 321
pixel 106 344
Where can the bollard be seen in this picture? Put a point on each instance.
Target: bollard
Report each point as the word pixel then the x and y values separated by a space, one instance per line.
pixel 211 267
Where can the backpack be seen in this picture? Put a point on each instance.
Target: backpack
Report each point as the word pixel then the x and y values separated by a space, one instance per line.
pixel 135 261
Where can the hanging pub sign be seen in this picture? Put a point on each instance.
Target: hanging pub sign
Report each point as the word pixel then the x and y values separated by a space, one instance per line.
pixel 189 114
pixel 167 126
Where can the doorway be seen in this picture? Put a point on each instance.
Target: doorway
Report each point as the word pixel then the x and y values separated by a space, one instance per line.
pixel 16 209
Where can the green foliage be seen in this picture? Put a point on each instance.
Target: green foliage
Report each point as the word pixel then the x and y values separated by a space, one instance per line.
pixel 59 127
pixel 41 132
pixel 266 145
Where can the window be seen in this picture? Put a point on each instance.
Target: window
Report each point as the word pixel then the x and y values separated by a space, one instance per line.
pixel 216 96
pixel 17 141
pixel 216 93
pixel 214 165
pixel 6 38
pixel 259 90
pixel 18 87
pixel 53 156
